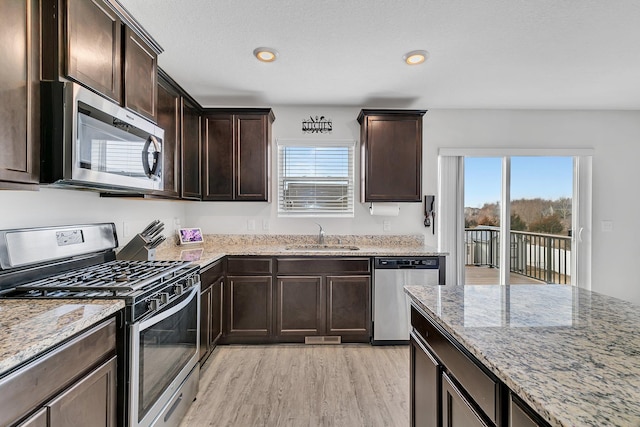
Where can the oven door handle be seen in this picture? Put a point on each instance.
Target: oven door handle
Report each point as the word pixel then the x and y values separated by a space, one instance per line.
pixel 160 316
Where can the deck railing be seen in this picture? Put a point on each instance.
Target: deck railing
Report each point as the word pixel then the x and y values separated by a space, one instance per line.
pixel 545 257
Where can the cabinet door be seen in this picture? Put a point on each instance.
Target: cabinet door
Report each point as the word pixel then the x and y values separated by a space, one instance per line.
pixel 169 120
pixel 299 306
pixel 205 322
pixel 252 157
pixel 217 165
pixel 89 402
pixel 349 306
pixel 216 311
pixel 191 144
pixel 425 386
pixel 392 158
pixel 519 416
pixel 140 76
pixel 19 92
pixel 94 48
pixel 456 409
pixel 248 305
pixel 39 419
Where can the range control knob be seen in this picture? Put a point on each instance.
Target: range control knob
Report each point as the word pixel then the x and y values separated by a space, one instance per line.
pixel 154 304
pixel 179 289
pixel 164 297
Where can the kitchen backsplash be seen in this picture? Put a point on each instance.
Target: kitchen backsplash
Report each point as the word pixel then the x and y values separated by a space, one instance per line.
pixel 211 241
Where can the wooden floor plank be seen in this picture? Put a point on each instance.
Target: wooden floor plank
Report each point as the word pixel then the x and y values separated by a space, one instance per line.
pixel 298 385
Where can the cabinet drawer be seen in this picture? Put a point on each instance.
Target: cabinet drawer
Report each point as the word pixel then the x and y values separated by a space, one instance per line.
pixel 246 265
pixel 38 381
pixel 323 265
pixel 482 388
pixel 209 275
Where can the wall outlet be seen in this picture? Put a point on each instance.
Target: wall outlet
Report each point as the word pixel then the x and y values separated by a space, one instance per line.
pixel 251 224
pixel 126 229
pixel 606 226
pixel 386 225
pixel 265 225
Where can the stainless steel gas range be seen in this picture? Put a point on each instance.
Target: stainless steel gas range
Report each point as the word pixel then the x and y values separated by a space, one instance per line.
pixel 158 359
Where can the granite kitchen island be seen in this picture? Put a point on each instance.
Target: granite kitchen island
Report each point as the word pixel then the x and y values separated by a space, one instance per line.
pixel 570 355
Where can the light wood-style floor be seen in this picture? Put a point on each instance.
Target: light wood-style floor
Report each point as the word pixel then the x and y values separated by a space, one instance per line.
pixel 297 385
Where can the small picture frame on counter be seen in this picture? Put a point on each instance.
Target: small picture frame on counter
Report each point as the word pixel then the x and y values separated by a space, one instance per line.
pixel 188 236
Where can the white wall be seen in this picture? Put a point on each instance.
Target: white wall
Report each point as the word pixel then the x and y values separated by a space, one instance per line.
pixel 614 136
pixel 62 207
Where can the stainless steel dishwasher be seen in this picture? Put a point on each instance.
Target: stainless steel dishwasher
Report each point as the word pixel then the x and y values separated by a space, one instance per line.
pixel 391 323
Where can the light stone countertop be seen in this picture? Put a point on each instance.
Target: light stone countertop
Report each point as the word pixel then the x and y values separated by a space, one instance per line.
pixel 29 327
pixel 570 354
pixel 218 246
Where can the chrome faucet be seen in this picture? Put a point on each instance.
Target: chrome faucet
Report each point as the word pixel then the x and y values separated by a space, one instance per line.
pixel 320 235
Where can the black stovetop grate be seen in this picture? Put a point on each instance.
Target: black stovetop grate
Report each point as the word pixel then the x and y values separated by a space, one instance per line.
pixel 113 276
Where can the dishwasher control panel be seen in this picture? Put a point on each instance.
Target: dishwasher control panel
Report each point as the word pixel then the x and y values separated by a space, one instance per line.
pixel 408 262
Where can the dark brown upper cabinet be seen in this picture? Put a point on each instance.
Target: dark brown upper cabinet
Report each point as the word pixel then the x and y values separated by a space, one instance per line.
pixel 99 45
pixel 169 102
pixel 19 94
pixel 140 75
pixel 190 150
pixel 391 146
pixel 237 154
pixel 93 55
pixel 179 116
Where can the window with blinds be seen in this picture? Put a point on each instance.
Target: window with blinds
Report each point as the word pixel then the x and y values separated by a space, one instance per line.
pixel 315 179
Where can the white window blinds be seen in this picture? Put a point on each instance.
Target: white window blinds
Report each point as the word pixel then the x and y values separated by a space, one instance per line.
pixel 315 179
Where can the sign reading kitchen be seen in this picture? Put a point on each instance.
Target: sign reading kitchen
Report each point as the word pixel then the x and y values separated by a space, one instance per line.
pixel 318 125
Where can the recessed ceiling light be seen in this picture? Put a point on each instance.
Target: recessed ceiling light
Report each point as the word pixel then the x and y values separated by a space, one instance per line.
pixel 416 57
pixel 265 54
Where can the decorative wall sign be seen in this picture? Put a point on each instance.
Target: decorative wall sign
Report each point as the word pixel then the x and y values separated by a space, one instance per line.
pixel 318 125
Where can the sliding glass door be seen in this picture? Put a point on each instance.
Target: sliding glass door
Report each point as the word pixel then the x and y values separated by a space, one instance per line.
pixel 526 218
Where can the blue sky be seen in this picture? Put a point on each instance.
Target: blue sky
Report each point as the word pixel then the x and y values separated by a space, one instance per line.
pixel 531 177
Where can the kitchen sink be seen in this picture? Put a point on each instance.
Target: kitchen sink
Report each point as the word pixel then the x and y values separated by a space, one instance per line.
pixel 321 248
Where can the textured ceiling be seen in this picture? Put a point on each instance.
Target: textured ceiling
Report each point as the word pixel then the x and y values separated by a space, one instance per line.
pixel 541 54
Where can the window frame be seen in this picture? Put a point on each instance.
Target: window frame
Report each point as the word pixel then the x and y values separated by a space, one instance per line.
pixel 351 190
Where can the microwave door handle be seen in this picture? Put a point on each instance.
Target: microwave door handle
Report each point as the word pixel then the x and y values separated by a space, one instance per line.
pixel 152 171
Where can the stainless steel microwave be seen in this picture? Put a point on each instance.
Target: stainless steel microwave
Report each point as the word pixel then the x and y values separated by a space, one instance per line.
pixel 89 141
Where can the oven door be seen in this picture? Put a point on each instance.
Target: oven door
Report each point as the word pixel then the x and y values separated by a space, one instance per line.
pixel 164 351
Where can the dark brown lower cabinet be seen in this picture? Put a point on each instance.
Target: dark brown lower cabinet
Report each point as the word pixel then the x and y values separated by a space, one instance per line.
pixel 286 299
pixel 72 385
pixel 349 306
pixel 216 311
pixel 248 302
pixel 211 280
pixel 456 409
pixel 323 296
pixel 90 402
pixel 205 322
pixel 451 388
pixel 299 306
pixel 520 415
pixel 39 419
pixel 425 385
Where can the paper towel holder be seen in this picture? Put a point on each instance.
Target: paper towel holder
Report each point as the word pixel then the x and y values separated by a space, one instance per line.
pixel 429 212
pixel 384 209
